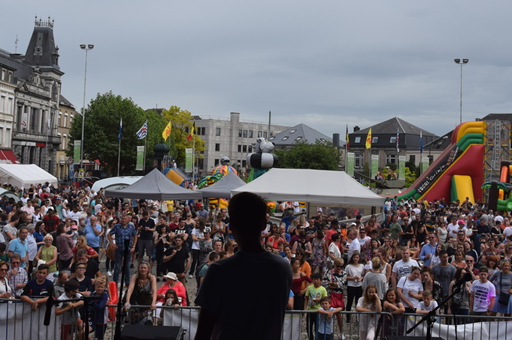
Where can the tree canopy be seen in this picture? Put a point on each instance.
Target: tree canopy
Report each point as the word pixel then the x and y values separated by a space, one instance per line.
pixel 101 127
pixel 182 121
pixel 320 156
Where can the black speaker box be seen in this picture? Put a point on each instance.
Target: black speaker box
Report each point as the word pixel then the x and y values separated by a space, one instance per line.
pixel 133 332
pixel 400 337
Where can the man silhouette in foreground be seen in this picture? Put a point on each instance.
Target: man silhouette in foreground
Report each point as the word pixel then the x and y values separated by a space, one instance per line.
pixel 245 296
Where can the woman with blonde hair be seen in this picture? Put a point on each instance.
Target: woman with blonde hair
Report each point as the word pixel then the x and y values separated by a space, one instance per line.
pixel 48 253
pixel 81 243
pixel 375 276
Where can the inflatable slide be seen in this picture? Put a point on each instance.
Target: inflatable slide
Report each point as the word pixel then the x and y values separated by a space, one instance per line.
pixel 457 173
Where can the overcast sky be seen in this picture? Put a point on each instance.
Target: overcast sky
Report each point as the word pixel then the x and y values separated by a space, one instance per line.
pixel 322 63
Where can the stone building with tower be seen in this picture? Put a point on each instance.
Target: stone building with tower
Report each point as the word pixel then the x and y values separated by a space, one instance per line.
pixel 37 81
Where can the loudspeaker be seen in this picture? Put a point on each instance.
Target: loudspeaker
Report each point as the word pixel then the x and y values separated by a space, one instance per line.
pixel 133 332
pixel 400 337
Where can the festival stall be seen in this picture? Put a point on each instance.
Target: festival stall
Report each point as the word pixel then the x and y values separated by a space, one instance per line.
pixel 155 186
pixel 24 175
pixel 319 188
pixel 223 188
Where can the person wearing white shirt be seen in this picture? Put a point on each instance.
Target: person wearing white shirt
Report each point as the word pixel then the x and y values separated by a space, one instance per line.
pixel 403 267
pixel 353 244
pixel 363 237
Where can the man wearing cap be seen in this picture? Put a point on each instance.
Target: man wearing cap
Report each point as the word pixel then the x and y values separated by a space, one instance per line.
pixel 483 294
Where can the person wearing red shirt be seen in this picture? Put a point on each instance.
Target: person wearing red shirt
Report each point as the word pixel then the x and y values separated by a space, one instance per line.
pixel 51 221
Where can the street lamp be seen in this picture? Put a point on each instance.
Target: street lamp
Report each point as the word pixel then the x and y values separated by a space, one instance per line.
pixel 461 62
pixel 86 48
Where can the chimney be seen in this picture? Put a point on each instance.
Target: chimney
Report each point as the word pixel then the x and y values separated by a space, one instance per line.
pixel 235 117
pixel 336 139
pixel 356 128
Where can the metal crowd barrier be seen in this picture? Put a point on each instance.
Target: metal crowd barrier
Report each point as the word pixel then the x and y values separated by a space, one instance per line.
pixel 17 321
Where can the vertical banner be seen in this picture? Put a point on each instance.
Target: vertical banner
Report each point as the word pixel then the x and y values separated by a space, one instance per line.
pixel 140 158
pixel 375 165
pixel 424 163
pixel 401 168
pixel 188 159
pixel 350 163
pixel 76 151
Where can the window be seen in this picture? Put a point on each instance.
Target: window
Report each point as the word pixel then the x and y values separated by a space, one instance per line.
pixel 260 134
pixel 9 105
pixel 250 133
pixel 245 133
pixel 245 148
pixel 244 163
pixel 1 136
pixel 391 158
pixel 10 77
pixel 298 138
pixel 292 131
pixel 239 148
pixel 65 120
pixel 200 163
pixel 392 140
pixel 430 159
pixel 412 159
pixel 58 120
pixel 216 161
pixel 375 140
pixel 2 104
pixel 239 133
pixel 357 140
pixel 4 74
pixel 359 160
pixel 217 146
pixel 202 131
pixel 249 148
pixel 285 137
pixel 265 134
pixel 32 119
pixel 272 138
pixel 217 132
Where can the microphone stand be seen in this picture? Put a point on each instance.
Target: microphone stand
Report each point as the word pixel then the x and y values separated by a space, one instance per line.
pixel 117 335
pixel 429 317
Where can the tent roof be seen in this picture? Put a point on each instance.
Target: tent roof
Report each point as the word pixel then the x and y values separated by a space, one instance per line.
pixel 114 181
pixel 155 186
pixel 312 186
pixel 222 189
pixel 23 175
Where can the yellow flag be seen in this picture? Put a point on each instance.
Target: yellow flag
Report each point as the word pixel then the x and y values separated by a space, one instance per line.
pixel 369 139
pixel 167 131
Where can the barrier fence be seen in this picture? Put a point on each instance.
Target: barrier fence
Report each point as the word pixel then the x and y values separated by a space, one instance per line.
pixel 19 322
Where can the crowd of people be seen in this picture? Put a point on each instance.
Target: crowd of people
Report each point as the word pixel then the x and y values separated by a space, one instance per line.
pixel 63 242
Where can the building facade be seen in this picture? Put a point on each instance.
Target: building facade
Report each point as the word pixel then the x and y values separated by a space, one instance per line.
pixel 7 98
pixel 66 115
pixel 37 77
pixel 390 139
pixel 231 138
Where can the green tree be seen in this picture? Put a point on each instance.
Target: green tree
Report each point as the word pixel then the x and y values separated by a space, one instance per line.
pixel 101 128
pixel 181 121
pixel 320 156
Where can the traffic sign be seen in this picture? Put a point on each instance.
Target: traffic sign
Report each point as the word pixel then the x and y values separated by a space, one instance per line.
pixel 70 160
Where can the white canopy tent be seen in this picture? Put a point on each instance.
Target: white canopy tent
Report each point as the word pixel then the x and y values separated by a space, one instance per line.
pixel 23 175
pixel 312 186
pixel 114 183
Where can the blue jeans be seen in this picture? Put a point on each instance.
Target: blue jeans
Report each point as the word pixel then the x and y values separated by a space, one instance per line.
pixel 117 268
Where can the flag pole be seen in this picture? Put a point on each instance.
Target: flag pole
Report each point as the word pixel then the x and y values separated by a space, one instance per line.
pixel 193 152
pixel 119 158
pixel 145 147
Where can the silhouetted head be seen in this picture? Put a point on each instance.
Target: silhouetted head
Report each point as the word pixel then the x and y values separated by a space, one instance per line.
pixel 247 214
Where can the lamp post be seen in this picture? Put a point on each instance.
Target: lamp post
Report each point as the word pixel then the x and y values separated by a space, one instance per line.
pixel 86 48
pixel 461 62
